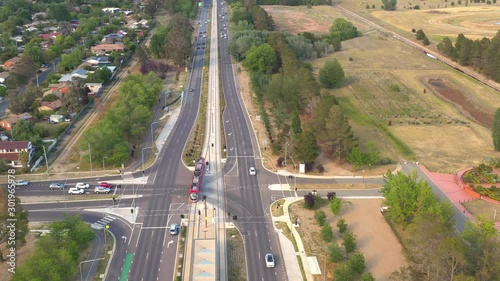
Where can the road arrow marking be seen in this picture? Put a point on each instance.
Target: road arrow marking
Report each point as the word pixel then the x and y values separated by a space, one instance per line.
pixel 124 239
pixel 170 242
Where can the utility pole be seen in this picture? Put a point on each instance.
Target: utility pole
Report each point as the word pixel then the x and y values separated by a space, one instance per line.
pixel 46 159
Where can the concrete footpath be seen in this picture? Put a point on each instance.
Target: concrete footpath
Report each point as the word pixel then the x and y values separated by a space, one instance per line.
pixel 289 255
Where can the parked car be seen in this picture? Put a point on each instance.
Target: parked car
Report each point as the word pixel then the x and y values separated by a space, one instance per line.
pixel 56 185
pixel 174 229
pixel 105 184
pixel 269 260
pixel 252 171
pixel 76 190
pixel 101 189
pixel 82 185
pixel 21 183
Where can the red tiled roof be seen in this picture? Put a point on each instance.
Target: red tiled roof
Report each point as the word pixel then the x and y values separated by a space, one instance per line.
pixel 13 156
pixel 14 145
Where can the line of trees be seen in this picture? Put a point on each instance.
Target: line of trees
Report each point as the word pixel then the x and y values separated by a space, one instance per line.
pixel 21 217
pixel 483 55
pixel 57 254
pixel 115 136
pixel 173 41
pixel 435 251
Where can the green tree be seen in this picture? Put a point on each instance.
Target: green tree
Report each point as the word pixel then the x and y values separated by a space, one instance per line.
pixel 426 41
pixel 452 254
pixel 495 130
pixel 326 233
pixel 320 217
pixel 306 147
pixel 3 91
pixel 296 124
pixel 349 242
pixel 389 5
pixel 356 157
pixel 341 140
pixel 262 58
pixel 343 273
pixel 23 158
pixel 366 276
pixel 401 193
pixel 322 112
pixel 335 205
pixel 335 253
pixel 420 35
pixel 357 263
pixel 331 75
pixel 446 47
pixel 343 29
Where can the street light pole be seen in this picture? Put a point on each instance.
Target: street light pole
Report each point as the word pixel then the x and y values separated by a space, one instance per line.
pixel 103 167
pixel 152 135
pixel 286 149
pixel 90 157
pixel 81 277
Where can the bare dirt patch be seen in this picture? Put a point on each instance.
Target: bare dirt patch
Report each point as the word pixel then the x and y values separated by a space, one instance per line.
pixel 375 239
pixel 466 104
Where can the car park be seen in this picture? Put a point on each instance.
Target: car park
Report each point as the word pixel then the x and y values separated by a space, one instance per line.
pixel 56 185
pixel 252 171
pixel 76 190
pixel 105 184
pixel 101 189
pixel 174 229
pixel 21 183
pixel 270 260
pixel 82 185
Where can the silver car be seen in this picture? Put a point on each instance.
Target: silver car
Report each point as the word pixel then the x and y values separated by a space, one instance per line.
pixel 21 183
pixel 56 185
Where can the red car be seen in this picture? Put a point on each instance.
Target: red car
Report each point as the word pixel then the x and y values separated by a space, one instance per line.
pixel 105 184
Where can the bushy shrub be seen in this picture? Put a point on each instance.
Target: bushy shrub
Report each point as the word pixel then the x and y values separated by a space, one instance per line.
pixel 331 195
pixel 342 225
pixel 309 201
pixel 326 233
pixel 320 217
pixel 335 252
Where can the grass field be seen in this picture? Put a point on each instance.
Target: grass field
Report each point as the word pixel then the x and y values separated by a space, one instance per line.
pixel 412 122
pixel 489 210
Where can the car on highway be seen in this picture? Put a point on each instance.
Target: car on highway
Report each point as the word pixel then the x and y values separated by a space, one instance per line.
pixel 56 185
pixel 101 189
pixel 174 229
pixel 82 185
pixel 252 171
pixel 269 260
pixel 76 190
pixel 21 183
pixel 105 184
pixel 191 89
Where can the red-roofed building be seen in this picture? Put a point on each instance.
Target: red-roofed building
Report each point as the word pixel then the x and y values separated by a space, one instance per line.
pixel 9 152
pixel 7 123
pixel 47 36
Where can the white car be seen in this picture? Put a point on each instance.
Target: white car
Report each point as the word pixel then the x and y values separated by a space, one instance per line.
pixel 21 183
pixel 269 260
pixel 252 171
pixel 76 190
pixel 82 185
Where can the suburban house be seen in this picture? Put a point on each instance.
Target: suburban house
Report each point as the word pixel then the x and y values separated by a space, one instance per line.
pixel 7 123
pixel 112 38
pixel 97 61
pixel 49 36
pixel 48 106
pixel 62 87
pixel 9 64
pixel 56 93
pixel 111 10
pixel 95 89
pixel 9 152
pixel 102 49
pixel 77 73
pixel 3 77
